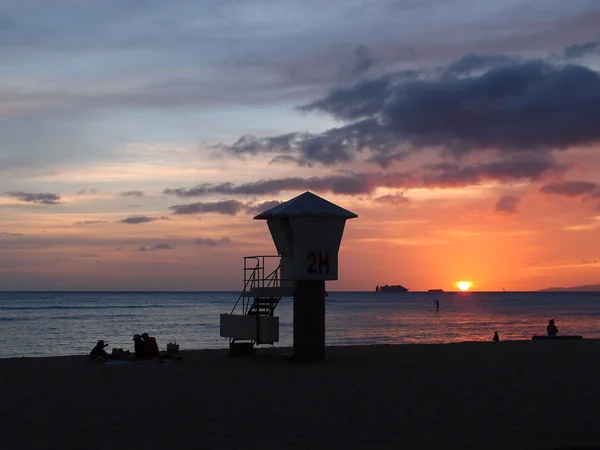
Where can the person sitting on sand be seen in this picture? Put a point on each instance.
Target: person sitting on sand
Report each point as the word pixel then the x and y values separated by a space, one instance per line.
pixel 551 328
pixel 150 345
pixel 98 351
pixel 139 346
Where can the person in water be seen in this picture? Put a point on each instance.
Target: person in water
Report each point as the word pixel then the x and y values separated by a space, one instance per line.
pixel 98 351
pixel 437 305
pixel 551 328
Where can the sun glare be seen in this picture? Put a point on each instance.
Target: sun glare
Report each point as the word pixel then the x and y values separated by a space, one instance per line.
pixel 464 285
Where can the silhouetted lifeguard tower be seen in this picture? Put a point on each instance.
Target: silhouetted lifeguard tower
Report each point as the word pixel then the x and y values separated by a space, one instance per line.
pixel 307 231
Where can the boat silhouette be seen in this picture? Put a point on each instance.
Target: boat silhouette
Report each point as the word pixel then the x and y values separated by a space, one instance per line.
pixel 392 288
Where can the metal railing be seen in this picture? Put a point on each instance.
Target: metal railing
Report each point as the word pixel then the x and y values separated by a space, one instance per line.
pixel 254 277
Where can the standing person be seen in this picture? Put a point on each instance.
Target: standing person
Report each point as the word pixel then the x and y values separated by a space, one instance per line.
pixel 437 305
pixel 551 328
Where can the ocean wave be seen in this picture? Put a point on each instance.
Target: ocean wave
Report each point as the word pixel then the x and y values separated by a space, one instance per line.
pixel 74 307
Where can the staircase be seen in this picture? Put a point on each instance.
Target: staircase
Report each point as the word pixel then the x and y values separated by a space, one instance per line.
pixel 264 306
pixel 263 290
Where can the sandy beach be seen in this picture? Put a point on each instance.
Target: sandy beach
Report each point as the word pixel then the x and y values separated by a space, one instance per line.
pixel 509 395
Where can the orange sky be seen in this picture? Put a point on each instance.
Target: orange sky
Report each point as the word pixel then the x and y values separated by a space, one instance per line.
pixel 137 145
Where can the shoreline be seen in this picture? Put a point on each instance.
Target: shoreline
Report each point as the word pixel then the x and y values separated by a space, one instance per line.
pixel 289 350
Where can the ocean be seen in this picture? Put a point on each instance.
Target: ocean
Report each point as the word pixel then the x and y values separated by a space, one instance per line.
pixel 70 323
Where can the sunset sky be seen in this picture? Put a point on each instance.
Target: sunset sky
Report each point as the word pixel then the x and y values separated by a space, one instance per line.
pixel 139 139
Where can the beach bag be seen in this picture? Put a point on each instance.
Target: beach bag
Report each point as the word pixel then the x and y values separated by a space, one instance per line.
pixel 172 347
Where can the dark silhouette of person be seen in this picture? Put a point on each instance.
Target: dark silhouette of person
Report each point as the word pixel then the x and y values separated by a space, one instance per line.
pixel 98 351
pixel 496 338
pixel 551 328
pixel 150 345
pixel 139 346
pixel 437 305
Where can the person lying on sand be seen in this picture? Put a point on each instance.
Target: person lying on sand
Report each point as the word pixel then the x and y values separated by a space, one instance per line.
pixel 98 351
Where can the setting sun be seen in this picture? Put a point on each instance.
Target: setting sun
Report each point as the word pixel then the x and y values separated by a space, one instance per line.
pixel 464 285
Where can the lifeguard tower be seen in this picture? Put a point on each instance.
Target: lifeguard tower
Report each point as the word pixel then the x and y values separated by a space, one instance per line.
pixel 307 231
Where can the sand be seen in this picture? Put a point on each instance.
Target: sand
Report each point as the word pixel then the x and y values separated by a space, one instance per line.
pixel 509 395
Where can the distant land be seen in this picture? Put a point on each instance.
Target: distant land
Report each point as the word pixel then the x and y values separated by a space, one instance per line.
pixel 584 288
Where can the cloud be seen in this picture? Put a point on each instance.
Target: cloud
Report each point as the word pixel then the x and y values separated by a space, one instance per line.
pixel 90 222
pixel 569 188
pixel 508 204
pixel 513 168
pixel 142 219
pixel 475 63
pixel 86 192
pixel 358 62
pixel 6 233
pixel 138 194
pixel 395 113
pixel 155 247
pixel 161 247
pixel 262 207
pixel 228 207
pixel 41 198
pixel 521 167
pixel 342 184
pixel 213 242
pixel 392 199
pixel 581 50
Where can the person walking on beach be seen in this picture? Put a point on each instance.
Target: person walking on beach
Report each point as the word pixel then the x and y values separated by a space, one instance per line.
pixel 437 305
pixel 551 328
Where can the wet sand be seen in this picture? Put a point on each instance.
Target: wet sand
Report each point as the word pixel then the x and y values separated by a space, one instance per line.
pixel 509 395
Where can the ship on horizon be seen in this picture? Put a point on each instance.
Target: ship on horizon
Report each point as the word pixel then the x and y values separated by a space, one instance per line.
pixel 393 288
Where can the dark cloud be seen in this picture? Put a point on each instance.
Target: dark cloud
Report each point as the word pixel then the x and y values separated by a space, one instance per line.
pixel 142 219
pixel 41 198
pixel 284 159
pixel 511 169
pixel 229 207
pixel 478 63
pixel 86 192
pixel 90 222
pixel 138 194
pixel 262 207
pixel 392 199
pixel 508 204
pixel 342 184
pixel 569 188
pixel 155 247
pixel 514 106
pixel 213 242
pixel 161 247
pixel 580 50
